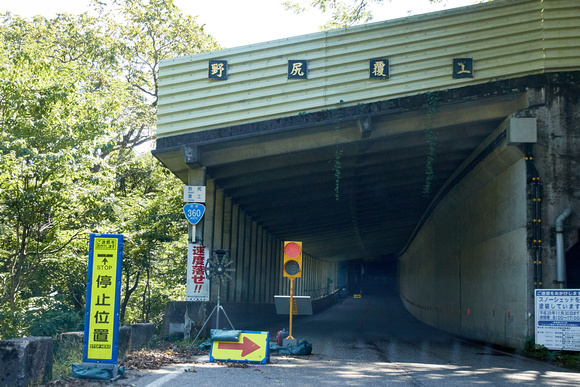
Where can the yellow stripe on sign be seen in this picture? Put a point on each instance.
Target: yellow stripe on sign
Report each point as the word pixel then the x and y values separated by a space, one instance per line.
pixel 251 347
pixel 102 307
pixel 357 296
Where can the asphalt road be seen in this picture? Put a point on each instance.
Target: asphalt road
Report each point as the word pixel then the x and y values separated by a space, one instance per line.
pixel 371 341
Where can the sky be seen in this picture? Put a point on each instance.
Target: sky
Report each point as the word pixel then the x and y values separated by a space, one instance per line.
pixel 236 23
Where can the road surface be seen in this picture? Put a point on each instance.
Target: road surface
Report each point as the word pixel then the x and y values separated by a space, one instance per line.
pixel 371 341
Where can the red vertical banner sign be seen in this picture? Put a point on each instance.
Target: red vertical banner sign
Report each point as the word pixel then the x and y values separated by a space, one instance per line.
pixel 197 283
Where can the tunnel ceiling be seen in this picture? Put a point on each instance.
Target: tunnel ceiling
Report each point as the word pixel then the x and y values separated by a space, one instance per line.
pixel 349 183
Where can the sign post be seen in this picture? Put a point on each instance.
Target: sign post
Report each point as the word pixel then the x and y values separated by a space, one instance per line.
pixel 101 335
pixel 292 269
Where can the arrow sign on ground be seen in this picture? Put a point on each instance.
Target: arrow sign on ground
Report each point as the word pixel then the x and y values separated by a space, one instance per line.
pixel 247 346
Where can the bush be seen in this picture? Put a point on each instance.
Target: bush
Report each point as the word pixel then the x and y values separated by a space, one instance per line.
pixel 49 317
pixel 66 352
pixel 535 351
pixel 567 359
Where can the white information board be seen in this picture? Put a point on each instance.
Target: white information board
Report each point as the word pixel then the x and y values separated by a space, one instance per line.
pixel 558 318
pixel 194 194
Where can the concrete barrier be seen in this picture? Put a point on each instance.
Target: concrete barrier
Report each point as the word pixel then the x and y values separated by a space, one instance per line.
pixel 184 319
pixel 141 335
pixel 125 338
pixel 26 361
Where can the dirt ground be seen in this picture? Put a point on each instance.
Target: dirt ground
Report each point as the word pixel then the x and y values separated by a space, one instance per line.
pixel 150 359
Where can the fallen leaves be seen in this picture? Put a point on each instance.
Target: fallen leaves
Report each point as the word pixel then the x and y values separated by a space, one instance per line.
pixel 153 359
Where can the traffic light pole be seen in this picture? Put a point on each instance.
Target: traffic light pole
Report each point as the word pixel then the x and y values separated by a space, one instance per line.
pixel 291 308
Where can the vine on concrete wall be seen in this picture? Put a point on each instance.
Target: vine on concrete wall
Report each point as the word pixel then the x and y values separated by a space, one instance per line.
pixel 433 99
pixel 337 164
pixel 337 173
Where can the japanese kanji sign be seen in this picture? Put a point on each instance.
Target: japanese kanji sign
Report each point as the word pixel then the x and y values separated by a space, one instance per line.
pixel 194 194
pixel 558 318
pixel 297 69
pixel 463 68
pixel 379 69
pixel 197 283
pixel 100 342
pixel 218 69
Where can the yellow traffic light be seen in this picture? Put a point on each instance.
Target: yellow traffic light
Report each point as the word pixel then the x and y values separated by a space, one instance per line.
pixel 292 259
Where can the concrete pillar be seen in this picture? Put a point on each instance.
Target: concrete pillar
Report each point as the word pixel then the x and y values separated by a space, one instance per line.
pixel 258 260
pixel 235 294
pixel 264 267
pixel 209 224
pixel 247 258
pixel 252 261
pixel 270 276
pixel 218 227
pixel 196 177
pixel 227 244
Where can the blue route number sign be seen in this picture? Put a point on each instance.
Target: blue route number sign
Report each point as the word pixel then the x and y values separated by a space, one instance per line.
pixel 194 212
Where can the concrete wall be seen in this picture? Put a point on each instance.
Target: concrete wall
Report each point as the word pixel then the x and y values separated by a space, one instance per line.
pixel 557 158
pixel 26 361
pixel 244 316
pixel 466 271
pixel 470 268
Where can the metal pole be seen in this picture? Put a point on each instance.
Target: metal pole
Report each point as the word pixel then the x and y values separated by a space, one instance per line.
pixel 291 309
pixel 217 320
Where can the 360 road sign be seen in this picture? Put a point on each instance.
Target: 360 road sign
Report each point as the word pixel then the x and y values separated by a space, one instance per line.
pixel 194 212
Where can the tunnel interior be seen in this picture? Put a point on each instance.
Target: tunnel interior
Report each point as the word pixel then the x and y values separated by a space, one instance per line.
pixel 377 277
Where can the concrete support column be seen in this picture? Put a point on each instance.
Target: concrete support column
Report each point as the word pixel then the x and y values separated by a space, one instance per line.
pixel 247 256
pixel 240 248
pixel 233 294
pixel 277 265
pixel 227 244
pixel 257 254
pixel 196 177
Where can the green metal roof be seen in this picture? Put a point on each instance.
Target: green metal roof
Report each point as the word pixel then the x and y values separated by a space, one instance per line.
pixel 505 39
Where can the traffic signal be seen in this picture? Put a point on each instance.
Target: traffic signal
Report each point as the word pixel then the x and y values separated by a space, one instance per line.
pixel 292 259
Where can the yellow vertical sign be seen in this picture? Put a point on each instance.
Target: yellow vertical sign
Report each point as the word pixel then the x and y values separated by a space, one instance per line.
pixel 102 319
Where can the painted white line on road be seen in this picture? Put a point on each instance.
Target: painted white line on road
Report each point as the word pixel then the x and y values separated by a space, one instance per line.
pixel 161 381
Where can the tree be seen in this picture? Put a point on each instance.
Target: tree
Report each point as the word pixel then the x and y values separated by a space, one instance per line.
pixel 150 216
pixel 148 32
pixel 345 13
pixel 77 95
pixel 54 115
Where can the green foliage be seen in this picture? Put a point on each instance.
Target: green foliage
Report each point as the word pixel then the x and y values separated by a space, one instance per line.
pixel 77 96
pixel 344 13
pixel 567 359
pixel 535 351
pixel 431 139
pixel 66 352
pixel 337 172
pixel 49 317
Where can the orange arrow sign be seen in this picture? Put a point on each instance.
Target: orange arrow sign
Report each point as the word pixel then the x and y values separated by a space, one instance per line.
pixel 247 346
